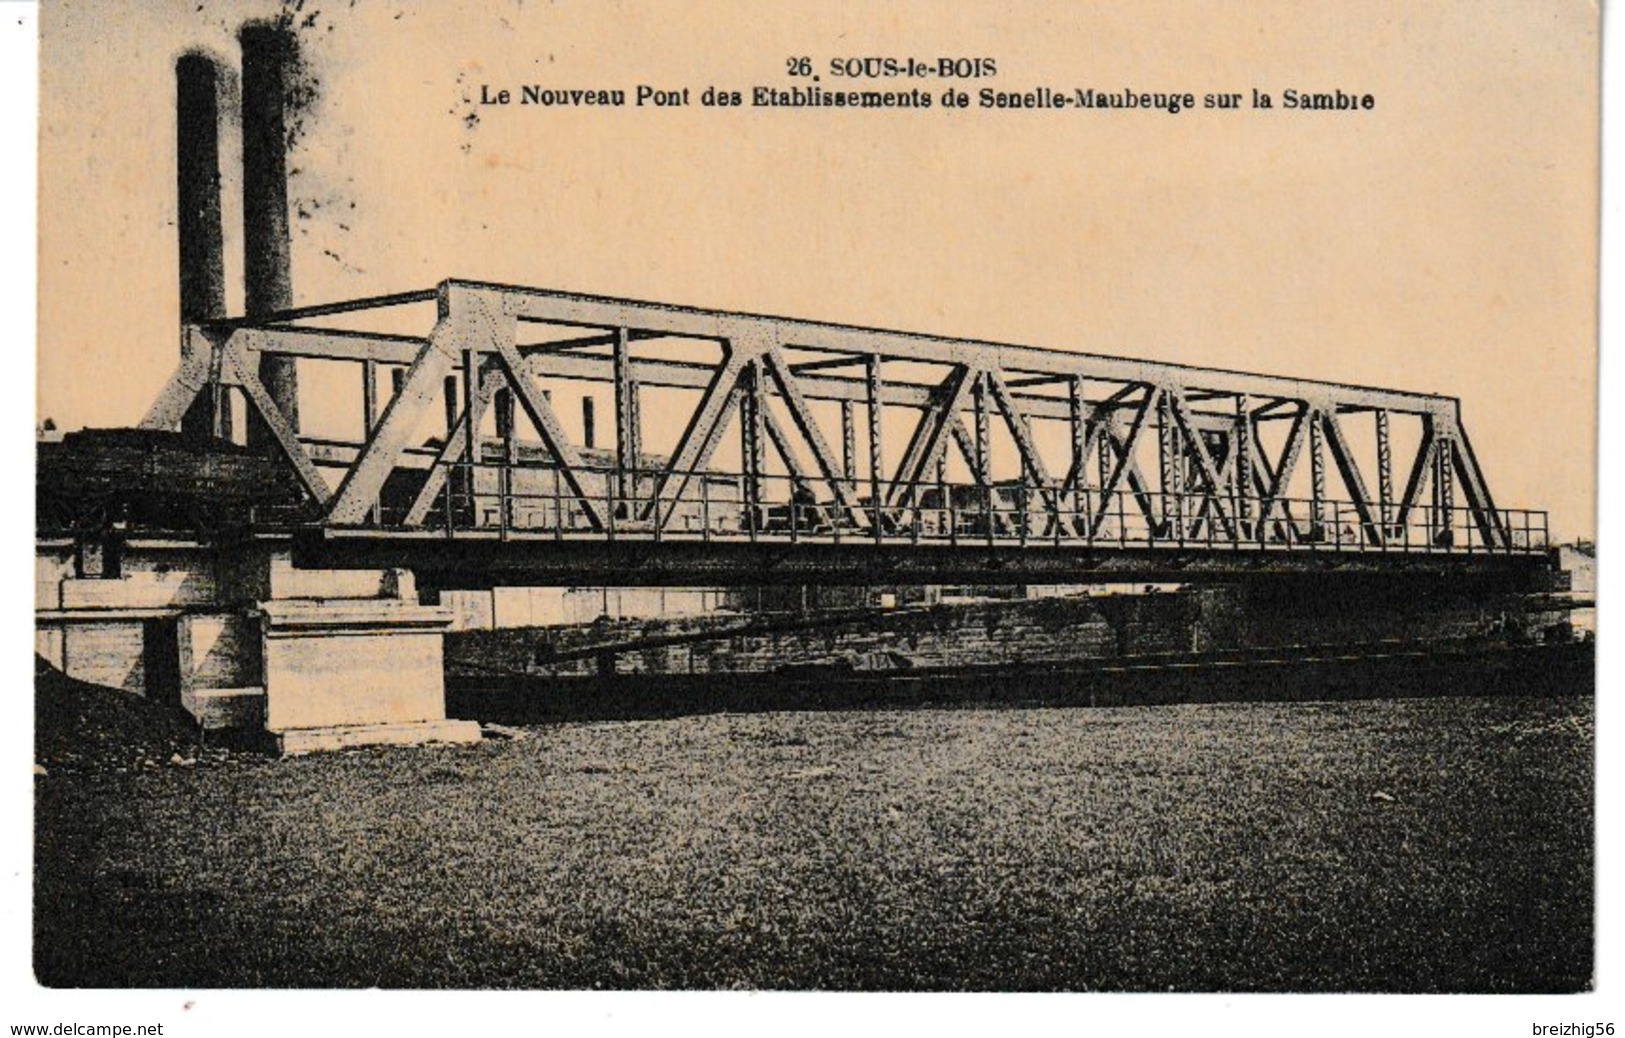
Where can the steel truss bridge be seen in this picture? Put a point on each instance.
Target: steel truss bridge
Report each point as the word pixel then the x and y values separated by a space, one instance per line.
pixel 751 449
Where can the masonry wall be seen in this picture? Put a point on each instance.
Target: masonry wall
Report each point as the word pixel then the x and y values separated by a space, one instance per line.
pixel 943 636
pixel 993 633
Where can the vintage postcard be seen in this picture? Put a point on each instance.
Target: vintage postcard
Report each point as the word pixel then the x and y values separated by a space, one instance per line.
pixel 907 497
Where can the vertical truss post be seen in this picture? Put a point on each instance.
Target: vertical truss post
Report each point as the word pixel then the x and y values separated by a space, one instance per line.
pixel 1105 435
pixel 219 397
pixel 471 431
pixel 983 447
pixel 750 428
pixel 635 448
pixel 369 396
pixel 629 460
pixel 979 405
pixel 1077 477
pixel 450 395
pixel 1385 474
pixel 872 386
pixel 849 446
pixel 1243 452
pixel 369 422
pixel 1444 493
pixel 626 431
pixel 448 398
pixel 220 411
pixel 942 485
pixel 1182 459
pixel 1317 477
pixel 1168 458
pixel 510 452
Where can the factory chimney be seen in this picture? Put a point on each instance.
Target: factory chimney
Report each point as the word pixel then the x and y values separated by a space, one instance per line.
pixel 268 55
pixel 197 192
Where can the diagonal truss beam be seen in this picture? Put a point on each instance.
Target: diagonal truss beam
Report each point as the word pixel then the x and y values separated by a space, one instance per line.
pixel 197 369
pixel 928 441
pixel 801 415
pixel 1426 452
pixel 541 415
pixel 1196 447
pixel 1125 467
pixel 359 489
pixel 704 431
pixel 1353 482
pixel 1281 473
pixel 1086 445
pixel 782 447
pixel 1031 462
pixel 967 450
pixel 454 448
pixel 1477 491
pixel 1137 486
pixel 277 423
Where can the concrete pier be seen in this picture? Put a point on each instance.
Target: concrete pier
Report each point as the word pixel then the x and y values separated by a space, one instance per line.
pixel 350 672
pixel 319 659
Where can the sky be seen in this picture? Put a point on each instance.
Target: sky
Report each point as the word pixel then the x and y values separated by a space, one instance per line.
pixel 1444 241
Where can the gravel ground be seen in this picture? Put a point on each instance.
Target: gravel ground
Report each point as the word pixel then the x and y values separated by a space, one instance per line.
pixel 86 729
pixel 1416 845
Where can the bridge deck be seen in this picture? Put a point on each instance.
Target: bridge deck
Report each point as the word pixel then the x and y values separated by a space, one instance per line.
pixel 488 558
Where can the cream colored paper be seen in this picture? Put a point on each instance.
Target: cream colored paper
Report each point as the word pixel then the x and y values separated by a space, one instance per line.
pixel 1442 241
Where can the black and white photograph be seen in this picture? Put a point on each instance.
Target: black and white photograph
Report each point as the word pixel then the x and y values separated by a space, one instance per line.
pixel 826 497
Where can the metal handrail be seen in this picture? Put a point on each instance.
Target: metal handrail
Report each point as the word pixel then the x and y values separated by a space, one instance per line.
pixel 497 497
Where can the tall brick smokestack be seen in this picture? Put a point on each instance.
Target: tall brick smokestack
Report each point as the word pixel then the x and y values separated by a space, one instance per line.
pixel 268 55
pixel 197 194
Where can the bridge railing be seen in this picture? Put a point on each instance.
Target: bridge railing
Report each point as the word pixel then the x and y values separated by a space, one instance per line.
pixel 530 502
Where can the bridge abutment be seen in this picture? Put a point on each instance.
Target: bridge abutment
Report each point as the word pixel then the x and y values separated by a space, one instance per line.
pixel 239 638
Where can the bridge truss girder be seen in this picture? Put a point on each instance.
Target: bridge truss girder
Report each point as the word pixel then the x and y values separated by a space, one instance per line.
pixel 1151 453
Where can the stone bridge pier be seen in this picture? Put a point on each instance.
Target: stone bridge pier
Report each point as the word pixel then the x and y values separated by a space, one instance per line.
pixel 240 638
